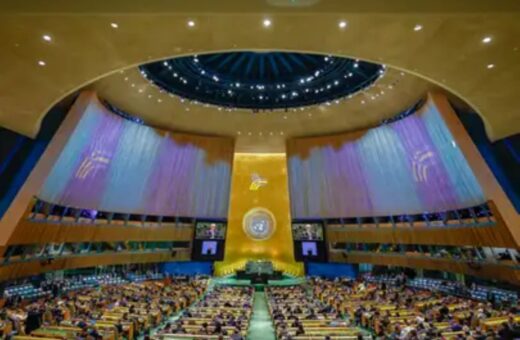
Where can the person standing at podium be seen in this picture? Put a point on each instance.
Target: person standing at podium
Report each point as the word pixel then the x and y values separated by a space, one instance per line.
pixel 212 232
pixel 309 233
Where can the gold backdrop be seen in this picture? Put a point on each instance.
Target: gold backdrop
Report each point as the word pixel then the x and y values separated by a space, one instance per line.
pixel 259 181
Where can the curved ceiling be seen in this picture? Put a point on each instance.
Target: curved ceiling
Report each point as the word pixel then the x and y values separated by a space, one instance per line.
pixel 262 80
pixel 50 49
pixel 265 131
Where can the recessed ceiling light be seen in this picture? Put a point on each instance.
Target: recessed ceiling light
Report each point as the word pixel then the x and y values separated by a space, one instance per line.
pixel 41 63
pixel 490 66
pixel 487 40
pixel 114 25
pixel 417 28
pixel 191 23
pixel 267 22
pixel 342 24
pixel 133 85
pixel 47 37
pixel 140 90
pixel 362 102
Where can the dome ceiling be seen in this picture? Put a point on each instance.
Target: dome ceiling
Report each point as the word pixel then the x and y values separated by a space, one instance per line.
pixel 262 80
pixel 266 130
pixel 52 49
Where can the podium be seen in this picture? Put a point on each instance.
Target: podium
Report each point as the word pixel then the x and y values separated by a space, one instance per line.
pixel 259 272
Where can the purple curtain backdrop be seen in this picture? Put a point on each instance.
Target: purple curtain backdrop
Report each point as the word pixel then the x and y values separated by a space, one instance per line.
pixel 112 164
pixel 410 166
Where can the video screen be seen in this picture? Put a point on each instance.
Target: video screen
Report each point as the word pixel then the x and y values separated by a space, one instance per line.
pixel 307 231
pixel 209 248
pixel 210 230
pixel 309 249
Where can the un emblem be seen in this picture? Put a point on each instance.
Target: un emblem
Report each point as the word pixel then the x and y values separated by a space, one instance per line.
pixel 259 224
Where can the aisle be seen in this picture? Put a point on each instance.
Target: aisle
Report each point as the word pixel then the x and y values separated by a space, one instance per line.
pixel 261 326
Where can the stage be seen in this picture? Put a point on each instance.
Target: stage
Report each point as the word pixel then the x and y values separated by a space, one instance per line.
pixel 232 280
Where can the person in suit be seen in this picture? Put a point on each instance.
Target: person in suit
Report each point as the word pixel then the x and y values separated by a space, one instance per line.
pixel 212 232
pixel 308 233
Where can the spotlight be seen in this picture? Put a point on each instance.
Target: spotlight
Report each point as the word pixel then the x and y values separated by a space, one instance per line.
pixel 417 28
pixel 490 66
pixel 267 22
pixel 487 40
pixel 342 24
pixel 114 25
pixel 41 63
pixel 191 23
pixel 47 37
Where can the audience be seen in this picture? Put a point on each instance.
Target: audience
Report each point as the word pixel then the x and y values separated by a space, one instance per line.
pixel 395 311
pixel 296 314
pixel 224 312
pixel 117 310
pixel 388 307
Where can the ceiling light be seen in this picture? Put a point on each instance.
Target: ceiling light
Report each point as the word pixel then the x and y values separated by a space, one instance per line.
pixel 417 28
pixel 41 63
pixel 191 23
pixel 267 22
pixel 342 24
pixel 114 25
pixel 487 40
pixel 490 66
pixel 47 37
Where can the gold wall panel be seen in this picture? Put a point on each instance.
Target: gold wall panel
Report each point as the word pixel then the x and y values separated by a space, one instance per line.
pixel 259 181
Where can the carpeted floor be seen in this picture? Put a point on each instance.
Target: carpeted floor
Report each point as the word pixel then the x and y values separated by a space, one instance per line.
pixel 261 326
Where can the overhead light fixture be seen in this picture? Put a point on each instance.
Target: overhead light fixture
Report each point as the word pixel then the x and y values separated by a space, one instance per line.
pixel 47 37
pixel 191 23
pixel 417 28
pixel 41 63
pixel 267 22
pixel 487 39
pixel 114 25
pixel 490 66
pixel 342 24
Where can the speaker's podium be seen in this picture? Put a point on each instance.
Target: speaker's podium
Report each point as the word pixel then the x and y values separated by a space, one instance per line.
pixel 259 272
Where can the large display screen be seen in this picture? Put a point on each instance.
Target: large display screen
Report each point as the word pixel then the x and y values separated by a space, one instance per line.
pixel 307 231
pixel 210 231
pixel 209 240
pixel 309 248
pixel 209 248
